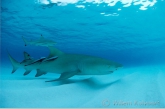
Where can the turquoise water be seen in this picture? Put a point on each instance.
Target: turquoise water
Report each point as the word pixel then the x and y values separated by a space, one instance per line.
pixel 128 32
pixel 130 36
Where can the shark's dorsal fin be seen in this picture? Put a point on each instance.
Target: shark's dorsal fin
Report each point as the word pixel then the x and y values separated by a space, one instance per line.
pixel 26 56
pixel 54 52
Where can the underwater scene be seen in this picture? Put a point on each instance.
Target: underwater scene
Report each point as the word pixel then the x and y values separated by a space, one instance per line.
pixel 82 54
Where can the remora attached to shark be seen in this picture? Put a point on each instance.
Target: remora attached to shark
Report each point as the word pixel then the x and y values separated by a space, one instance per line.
pixel 69 65
pixel 41 42
pixel 27 59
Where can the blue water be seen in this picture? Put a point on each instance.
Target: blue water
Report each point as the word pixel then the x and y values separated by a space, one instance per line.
pixel 133 35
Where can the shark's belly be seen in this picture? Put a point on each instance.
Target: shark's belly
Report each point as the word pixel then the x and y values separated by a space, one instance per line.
pixel 93 71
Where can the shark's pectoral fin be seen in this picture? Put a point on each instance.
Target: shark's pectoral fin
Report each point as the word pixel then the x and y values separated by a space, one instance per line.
pixel 27 72
pixel 65 76
pixel 39 73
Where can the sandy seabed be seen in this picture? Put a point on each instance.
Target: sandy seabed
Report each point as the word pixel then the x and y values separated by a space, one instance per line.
pixel 141 86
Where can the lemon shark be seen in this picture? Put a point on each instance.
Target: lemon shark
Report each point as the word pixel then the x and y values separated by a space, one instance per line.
pixel 41 42
pixel 68 65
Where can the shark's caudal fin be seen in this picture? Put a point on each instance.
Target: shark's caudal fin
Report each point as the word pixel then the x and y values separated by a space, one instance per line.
pixel 15 64
pixel 26 42
pixel 54 52
pixel 65 76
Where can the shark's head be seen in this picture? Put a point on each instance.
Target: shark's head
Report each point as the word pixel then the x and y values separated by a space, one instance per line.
pixel 113 66
pixel 101 66
pixel 107 67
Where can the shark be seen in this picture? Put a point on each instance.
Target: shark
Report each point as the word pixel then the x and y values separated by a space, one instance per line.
pixel 69 65
pixel 41 42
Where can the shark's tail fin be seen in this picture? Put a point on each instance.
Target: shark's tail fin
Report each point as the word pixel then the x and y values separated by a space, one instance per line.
pixel 15 64
pixel 26 42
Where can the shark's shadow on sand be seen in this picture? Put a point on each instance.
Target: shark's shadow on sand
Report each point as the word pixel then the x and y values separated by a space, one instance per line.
pixel 90 83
